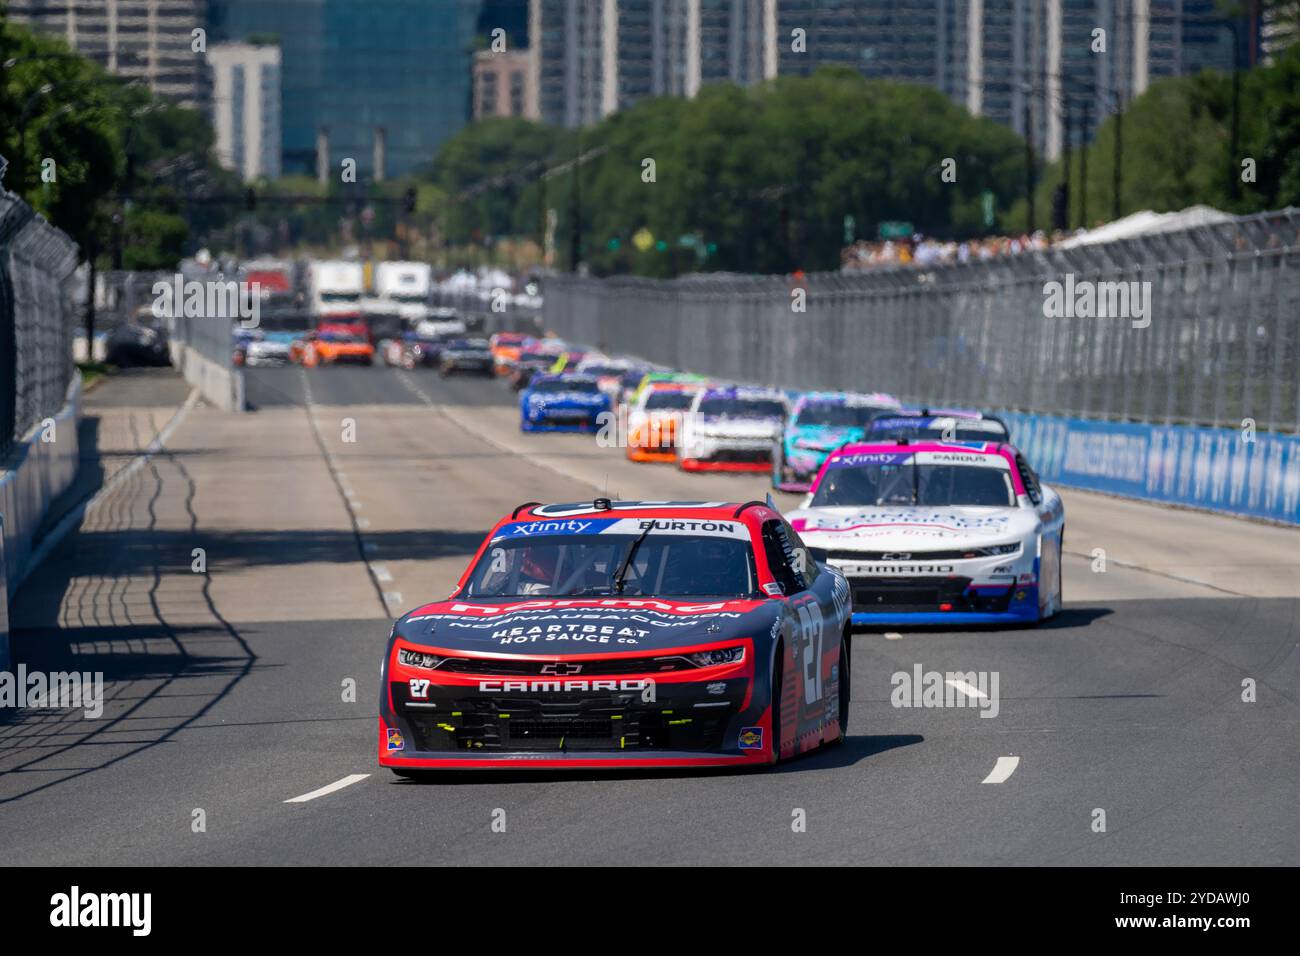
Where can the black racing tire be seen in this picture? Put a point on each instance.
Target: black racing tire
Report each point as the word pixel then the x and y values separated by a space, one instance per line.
pixel 844 685
pixel 778 465
pixel 778 679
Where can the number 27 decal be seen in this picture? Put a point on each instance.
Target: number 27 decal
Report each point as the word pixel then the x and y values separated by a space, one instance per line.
pixel 811 632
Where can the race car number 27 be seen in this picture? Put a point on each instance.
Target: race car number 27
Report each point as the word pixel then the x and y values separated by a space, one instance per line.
pixel 811 635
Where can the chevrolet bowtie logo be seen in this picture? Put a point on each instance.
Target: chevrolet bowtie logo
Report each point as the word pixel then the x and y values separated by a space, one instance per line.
pixel 561 669
pixel 896 556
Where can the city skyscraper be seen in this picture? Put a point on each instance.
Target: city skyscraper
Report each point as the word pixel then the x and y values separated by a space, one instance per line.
pixel 152 40
pixel 1023 63
pixel 354 73
pixel 246 108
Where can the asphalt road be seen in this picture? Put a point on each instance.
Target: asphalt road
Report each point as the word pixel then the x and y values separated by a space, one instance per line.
pixel 227 688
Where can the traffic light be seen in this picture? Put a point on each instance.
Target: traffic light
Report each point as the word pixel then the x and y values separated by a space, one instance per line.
pixel 410 199
pixel 250 199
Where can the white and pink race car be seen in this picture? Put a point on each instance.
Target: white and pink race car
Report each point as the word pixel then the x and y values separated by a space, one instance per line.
pixel 940 533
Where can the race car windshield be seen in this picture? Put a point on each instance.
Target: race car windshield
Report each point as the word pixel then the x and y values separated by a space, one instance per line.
pixel 668 401
pixel 601 371
pixel 340 337
pixel 468 345
pixel 907 484
pixel 340 296
pixel 835 416
pixel 741 408
pixel 665 565
pixel 558 385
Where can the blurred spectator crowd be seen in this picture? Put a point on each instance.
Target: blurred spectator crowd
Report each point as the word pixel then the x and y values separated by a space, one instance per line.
pixel 924 251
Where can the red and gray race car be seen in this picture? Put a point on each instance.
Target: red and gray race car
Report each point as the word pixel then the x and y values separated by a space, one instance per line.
pixel 616 634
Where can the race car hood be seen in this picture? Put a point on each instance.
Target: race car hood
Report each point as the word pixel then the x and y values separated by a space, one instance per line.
pixel 584 625
pixel 908 528
pixel 735 427
pixel 548 399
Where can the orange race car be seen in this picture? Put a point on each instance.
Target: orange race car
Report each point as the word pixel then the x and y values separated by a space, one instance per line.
pixel 506 347
pixel 653 420
pixel 333 344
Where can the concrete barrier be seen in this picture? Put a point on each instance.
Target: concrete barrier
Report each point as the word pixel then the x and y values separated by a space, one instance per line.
pixel 43 466
pixel 1217 469
pixel 220 386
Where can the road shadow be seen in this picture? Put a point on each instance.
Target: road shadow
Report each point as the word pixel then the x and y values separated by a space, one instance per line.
pixel 147 662
pixel 1069 618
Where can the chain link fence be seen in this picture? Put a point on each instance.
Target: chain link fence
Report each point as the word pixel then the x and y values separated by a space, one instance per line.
pixel 1210 333
pixel 492 311
pixel 36 319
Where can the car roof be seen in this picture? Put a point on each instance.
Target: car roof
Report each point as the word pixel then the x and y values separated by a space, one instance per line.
pixel 1003 449
pixel 912 411
pixel 572 377
pixel 994 449
pixel 672 387
pixel 886 403
pixel 752 513
pixel 744 392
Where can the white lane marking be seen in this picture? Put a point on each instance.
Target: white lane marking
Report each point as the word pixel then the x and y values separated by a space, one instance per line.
pixel 393 598
pixel 1004 768
pixel 363 522
pixel 381 573
pixel 962 687
pixel 468 427
pixel 893 636
pixel 347 781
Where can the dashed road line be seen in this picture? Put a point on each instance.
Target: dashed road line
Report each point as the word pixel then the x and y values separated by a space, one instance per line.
pixel 326 790
pixel 969 690
pixel 1003 769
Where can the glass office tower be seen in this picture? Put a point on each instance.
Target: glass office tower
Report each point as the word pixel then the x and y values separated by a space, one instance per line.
pixel 351 68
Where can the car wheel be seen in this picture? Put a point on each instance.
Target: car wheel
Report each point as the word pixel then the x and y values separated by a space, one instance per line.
pixel 844 688
pixel 1058 603
pixel 778 681
pixel 778 465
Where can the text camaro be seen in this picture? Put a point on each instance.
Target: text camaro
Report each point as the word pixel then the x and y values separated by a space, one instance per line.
pixel 937 533
pixel 615 634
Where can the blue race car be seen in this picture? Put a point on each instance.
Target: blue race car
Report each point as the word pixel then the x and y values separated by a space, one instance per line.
pixel 937 424
pixel 563 403
pixel 819 423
